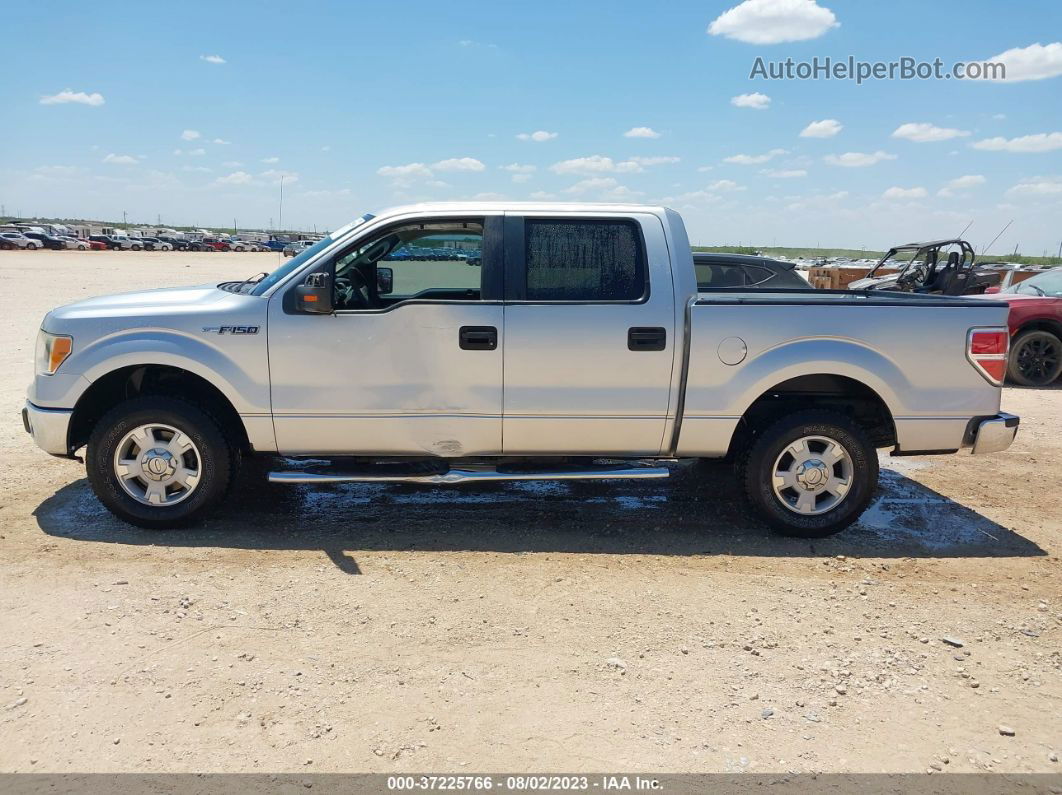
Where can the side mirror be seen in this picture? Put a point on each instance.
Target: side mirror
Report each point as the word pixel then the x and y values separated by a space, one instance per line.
pixel 995 288
pixel 315 294
pixel 385 280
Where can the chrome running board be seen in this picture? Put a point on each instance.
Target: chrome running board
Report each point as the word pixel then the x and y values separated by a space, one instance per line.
pixel 473 475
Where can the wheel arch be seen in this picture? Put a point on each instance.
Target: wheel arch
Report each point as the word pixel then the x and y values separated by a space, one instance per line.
pixel 830 391
pixel 138 380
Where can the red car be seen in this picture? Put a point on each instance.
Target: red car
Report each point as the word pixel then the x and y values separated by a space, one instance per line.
pixel 97 245
pixel 1035 328
pixel 217 244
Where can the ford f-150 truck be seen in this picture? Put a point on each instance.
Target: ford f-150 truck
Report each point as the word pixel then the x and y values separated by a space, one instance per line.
pixel 577 346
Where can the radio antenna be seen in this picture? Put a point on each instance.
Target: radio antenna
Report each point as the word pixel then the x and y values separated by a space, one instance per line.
pixel 1001 231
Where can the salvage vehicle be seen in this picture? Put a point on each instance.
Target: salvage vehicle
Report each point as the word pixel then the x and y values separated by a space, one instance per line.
pixel 1035 323
pixel 744 270
pixel 613 364
pixel 19 240
pixel 919 269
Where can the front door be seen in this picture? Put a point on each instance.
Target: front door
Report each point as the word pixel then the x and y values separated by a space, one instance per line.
pixel 410 362
pixel 589 335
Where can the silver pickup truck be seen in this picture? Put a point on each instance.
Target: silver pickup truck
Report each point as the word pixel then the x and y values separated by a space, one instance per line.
pixel 452 343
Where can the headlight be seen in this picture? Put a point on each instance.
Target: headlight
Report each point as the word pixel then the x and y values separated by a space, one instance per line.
pixel 52 350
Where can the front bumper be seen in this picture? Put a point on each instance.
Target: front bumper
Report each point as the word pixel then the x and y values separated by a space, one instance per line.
pixel 995 433
pixel 48 427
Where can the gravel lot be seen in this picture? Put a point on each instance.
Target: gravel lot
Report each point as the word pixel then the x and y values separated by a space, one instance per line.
pixel 534 627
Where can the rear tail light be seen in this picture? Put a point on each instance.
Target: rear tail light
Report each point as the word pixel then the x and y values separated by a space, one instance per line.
pixel 986 348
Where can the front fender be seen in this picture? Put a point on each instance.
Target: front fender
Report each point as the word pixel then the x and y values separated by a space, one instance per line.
pixel 239 370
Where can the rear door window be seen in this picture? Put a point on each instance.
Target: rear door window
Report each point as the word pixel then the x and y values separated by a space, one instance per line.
pixel 584 260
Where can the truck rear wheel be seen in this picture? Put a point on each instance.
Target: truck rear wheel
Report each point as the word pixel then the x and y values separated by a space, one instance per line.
pixel 811 474
pixel 159 462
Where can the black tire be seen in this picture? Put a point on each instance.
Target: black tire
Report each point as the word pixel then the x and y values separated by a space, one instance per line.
pixel 758 476
pixel 1035 358
pixel 218 461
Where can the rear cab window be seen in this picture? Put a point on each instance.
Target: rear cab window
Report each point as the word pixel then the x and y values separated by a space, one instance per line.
pixel 584 260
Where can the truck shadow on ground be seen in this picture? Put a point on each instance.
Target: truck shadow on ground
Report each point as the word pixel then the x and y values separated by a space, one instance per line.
pixel 698 511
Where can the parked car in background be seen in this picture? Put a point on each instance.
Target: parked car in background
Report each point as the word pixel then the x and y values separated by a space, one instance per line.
pixel 47 241
pixel 156 244
pixel 107 241
pixel 97 245
pixel 297 247
pixel 76 243
pixel 176 243
pixel 1035 323
pixel 743 270
pixel 19 240
pixel 276 245
pixel 218 244
pixel 200 245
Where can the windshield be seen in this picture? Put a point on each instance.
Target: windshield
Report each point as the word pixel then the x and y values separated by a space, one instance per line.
pixel 1049 284
pixel 296 262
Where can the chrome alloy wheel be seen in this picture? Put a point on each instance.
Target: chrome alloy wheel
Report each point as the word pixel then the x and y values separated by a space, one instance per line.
pixel 812 475
pixel 157 465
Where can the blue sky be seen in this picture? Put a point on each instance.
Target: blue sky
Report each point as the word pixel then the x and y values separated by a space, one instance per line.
pixel 116 107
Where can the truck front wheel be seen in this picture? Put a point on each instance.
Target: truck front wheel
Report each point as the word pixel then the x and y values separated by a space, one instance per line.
pixel 159 462
pixel 811 474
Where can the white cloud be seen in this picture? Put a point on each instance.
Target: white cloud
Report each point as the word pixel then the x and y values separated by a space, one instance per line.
pixel 827 128
pixel 592 184
pixel 641 132
pixel 270 160
pixel 404 172
pixel 518 168
pixel 702 169
pixel 121 160
pixel 897 194
pixel 858 159
pixel 274 176
pixel 235 178
pixel 774 21
pixel 1037 186
pixel 603 187
pixel 756 100
pixel 1035 62
pixel 327 148
pixel 221 141
pixel 784 173
pixel 752 160
pixel 960 184
pixel 542 196
pixel 212 59
pixel 197 152
pixel 594 164
pixel 999 116
pixel 656 160
pixel 198 169
pixel 924 132
pixel 190 135
pixel 725 185
pixel 521 177
pixel 459 164
pixel 232 164
pixel 1040 142
pixel 538 136
pixel 77 97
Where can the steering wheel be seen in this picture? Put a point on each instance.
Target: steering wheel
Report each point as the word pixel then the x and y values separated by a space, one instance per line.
pixel 353 290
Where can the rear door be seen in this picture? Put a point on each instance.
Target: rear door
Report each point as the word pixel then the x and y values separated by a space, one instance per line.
pixel 589 334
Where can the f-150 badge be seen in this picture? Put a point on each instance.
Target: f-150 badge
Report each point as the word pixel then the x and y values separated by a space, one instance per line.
pixel 231 329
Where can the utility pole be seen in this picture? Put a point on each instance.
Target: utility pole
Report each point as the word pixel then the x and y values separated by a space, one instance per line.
pixel 280 221
pixel 124 222
pixel 1060 250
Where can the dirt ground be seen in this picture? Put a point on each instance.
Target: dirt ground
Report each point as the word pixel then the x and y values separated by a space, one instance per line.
pixel 537 627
